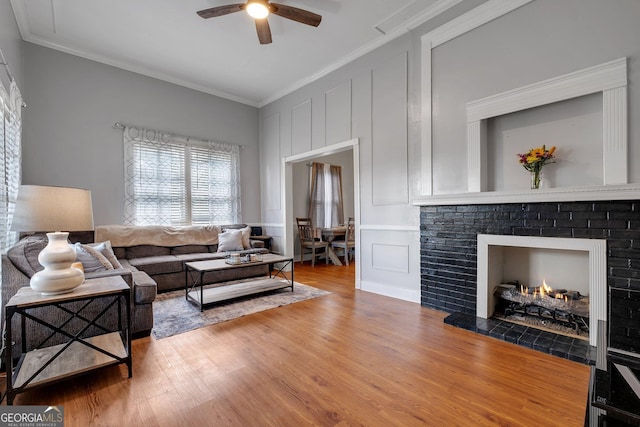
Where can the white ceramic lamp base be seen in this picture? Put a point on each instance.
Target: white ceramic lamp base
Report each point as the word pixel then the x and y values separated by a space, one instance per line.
pixel 58 276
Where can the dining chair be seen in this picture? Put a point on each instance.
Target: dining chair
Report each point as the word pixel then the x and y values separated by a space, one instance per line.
pixel 308 240
pixel 349 242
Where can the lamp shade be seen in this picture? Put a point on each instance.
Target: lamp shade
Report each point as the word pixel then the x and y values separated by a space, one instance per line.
pixel 43 208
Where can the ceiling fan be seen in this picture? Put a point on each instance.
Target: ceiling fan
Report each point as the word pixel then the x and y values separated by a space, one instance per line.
pixel 259 10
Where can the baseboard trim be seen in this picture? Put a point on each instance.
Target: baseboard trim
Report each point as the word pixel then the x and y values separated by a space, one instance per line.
pixel 391 291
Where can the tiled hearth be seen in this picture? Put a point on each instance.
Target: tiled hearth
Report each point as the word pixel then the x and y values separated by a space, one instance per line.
pixel 449 265
pixel 575 349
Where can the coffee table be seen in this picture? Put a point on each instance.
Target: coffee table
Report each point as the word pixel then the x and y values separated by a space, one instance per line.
pixel 201 296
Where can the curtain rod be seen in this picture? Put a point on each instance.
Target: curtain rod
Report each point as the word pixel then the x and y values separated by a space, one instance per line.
pixel 188 138
pixel 4 62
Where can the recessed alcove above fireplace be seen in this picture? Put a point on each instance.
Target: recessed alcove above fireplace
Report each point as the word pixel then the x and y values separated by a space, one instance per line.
pixel 579 265
pixel 608 79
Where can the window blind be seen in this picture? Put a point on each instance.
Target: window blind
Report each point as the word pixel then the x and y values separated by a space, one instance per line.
pixel 172 182
pixel 10 161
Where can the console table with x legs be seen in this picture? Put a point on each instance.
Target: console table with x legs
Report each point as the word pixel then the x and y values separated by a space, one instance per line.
pixel 47 364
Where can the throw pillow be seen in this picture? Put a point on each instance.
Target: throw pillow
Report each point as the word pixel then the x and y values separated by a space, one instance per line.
pixel 91 259
pixel 24 254
pixel 106 249
pixel 246 237
pixel 230 240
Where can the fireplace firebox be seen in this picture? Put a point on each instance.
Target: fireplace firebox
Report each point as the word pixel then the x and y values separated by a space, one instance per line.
pixel 574 263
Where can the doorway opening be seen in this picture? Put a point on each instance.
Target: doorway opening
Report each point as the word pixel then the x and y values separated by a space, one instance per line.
pixel 288 192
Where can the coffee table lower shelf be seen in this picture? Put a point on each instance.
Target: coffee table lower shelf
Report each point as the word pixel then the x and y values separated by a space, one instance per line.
pixel 226 292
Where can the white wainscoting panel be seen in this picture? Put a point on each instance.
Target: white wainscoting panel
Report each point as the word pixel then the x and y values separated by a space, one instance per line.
pixel 301 127
pixel 389 140
pixel 338 114
pixel 390 257
pixel 270 153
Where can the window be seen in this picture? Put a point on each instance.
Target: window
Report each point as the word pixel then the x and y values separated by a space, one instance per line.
pixel 10 160
pixel 326 207
pixel 172 181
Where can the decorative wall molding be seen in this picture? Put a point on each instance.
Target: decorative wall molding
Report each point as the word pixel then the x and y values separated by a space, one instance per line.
pixel 475 18
pixel 390 257
pixel 614 135
pixel 599 78
pixel 433 11
pixel 610 78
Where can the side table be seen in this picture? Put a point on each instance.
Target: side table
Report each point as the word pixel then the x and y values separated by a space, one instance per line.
pixel 78 355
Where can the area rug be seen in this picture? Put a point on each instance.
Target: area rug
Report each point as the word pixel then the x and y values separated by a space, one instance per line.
pixel 173 314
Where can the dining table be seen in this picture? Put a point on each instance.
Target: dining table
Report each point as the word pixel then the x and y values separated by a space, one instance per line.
pixel 329 235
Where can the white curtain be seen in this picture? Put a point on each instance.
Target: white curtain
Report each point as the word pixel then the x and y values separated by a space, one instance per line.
pixel 10 161
pixel 326 207
pixel 170 180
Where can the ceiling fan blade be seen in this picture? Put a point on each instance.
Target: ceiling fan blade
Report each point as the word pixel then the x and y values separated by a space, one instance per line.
pixel 295 14
pixel 221 10
pixel 264 31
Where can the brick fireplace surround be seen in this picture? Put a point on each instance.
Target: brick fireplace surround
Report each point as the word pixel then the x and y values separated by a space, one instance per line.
pixel 448 245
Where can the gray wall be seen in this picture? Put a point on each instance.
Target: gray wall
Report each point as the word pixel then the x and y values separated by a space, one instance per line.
pixel 69 137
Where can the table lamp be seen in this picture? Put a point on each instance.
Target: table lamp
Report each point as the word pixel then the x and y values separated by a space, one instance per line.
pixel 46 209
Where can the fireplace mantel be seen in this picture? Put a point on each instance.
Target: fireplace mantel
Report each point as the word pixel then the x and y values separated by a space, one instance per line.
pixel 564 194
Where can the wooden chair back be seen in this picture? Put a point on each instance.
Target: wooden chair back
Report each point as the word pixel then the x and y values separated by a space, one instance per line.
pixel 350 235
pixel 305 230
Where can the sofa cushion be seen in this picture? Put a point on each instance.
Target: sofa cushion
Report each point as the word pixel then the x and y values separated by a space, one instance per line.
pixel 189 249
pixel 142 251
pixel 24 254
pixel 158 264
pixel 120 253
pixel 230 240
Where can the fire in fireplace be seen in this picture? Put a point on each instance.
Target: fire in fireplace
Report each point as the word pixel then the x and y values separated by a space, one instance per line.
pixel 559 310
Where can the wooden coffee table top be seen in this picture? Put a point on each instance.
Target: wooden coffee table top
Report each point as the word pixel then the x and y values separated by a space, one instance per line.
pixel 221 264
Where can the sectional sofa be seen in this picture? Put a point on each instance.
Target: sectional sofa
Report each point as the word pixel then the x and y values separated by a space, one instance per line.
pixel 150 259
pixel 161 252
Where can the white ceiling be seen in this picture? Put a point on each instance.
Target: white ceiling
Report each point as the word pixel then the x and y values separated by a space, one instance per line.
pixel 166 39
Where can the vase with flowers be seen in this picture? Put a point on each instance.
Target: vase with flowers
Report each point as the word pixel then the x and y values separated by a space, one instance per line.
pixel 534 160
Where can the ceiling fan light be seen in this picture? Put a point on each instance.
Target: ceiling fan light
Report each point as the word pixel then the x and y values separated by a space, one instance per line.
pixel 257 10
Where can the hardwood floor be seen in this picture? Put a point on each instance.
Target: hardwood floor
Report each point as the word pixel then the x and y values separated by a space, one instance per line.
pixel 348 358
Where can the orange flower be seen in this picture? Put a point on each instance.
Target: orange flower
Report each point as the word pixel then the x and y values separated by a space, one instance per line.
pixel 537 157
